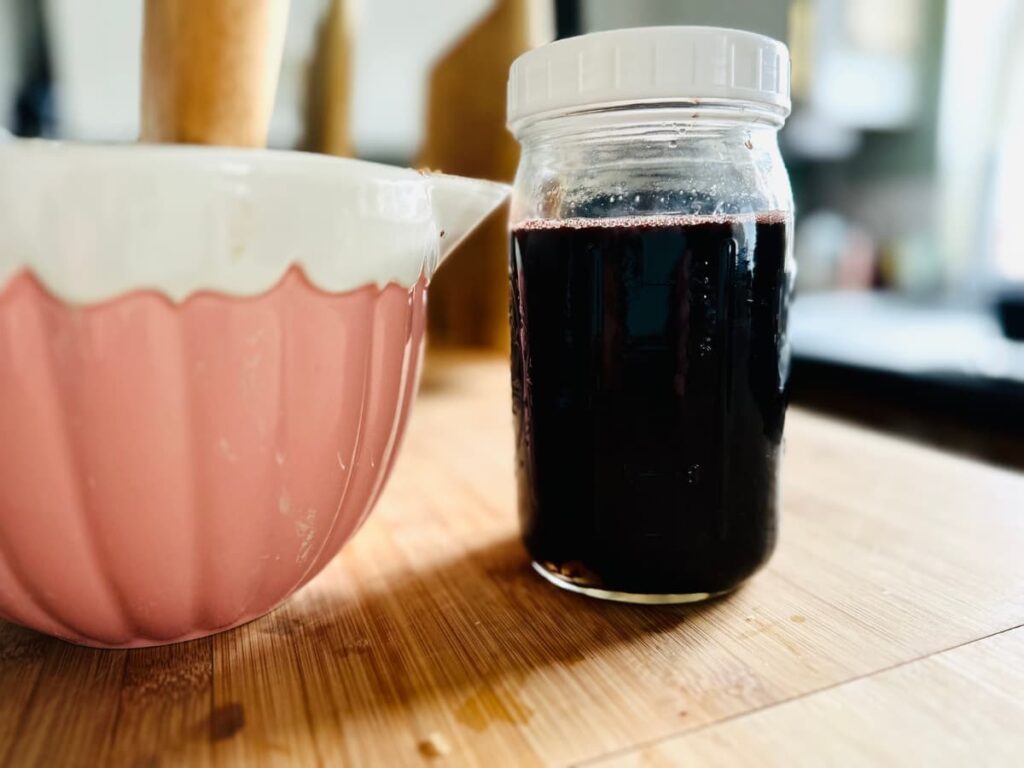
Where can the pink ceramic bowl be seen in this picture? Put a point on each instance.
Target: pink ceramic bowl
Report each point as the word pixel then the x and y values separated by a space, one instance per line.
pixel 207 358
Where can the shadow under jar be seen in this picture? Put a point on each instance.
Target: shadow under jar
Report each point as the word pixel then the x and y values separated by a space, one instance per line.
pixel 651 271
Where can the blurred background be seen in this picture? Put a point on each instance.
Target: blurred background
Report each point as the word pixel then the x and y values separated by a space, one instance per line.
pixel 906 135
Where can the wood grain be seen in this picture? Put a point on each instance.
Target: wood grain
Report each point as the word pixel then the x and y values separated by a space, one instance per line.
pixel 429 641
pixel 969 695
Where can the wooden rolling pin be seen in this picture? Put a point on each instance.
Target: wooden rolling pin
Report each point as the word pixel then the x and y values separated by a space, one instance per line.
pixel 210 70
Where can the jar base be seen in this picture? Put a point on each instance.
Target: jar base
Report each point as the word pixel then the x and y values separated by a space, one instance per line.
pixel 637 598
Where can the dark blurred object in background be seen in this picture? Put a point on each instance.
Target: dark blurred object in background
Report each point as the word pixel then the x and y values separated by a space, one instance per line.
pixel 34 103
pixel 1010 310
pixel 941 373
pixel 568 19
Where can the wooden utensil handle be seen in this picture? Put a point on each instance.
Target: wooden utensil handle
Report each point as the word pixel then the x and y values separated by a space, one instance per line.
pixel 210 70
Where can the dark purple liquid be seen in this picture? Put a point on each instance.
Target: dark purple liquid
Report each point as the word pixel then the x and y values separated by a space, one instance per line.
pixel 648 382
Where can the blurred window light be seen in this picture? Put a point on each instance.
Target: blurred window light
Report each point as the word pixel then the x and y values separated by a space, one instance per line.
pixel 980 126
pixel 1008 245
pixel 884 27
pixel 857 63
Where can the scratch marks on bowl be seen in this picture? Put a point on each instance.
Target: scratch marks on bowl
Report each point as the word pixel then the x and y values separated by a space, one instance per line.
pixel 306 532
pixel 226 451
pixel 284 502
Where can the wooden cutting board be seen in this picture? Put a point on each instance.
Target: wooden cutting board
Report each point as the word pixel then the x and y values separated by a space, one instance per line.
pixel 887 630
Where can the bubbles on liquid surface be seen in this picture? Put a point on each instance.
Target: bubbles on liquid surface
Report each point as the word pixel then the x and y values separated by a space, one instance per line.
pixel 693 474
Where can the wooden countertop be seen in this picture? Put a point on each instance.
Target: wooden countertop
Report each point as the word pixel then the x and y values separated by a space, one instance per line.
pixel 888 629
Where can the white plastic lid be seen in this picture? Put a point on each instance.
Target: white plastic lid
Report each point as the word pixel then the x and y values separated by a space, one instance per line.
pixel 654 64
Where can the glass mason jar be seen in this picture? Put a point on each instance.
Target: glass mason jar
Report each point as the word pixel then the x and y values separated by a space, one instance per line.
pixel 651 269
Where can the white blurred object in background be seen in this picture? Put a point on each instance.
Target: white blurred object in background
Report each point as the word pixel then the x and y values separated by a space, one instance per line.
pixel 859 46
pixel 842 51
pixel 979 135
pixel 391 65
pixel 96 53
pixel 1008 206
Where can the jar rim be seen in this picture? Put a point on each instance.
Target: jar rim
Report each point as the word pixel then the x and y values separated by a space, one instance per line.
pixel 712 113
